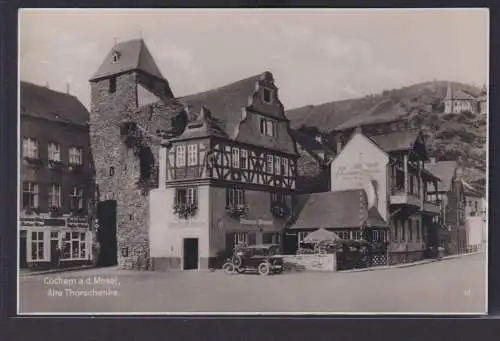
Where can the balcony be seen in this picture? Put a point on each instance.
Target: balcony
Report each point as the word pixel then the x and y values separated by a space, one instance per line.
pixel 431 207
pixel 400 197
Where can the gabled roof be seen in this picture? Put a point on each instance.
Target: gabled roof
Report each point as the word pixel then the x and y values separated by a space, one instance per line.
pixel 226 105
pixel 42 102
pixel 310 144
pixel 396 140
pixel 203 126
pixel 340 209
pixel 133 55
pixel 445 171
pixel 226 102
pixel 470 190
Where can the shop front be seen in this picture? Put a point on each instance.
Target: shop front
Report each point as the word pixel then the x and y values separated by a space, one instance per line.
pixel 253 232
pixel 54 242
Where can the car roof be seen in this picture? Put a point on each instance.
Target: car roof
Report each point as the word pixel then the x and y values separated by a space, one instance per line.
pixel 260 246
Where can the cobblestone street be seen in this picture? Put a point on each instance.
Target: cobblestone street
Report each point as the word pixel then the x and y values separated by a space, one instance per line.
pixel 449 286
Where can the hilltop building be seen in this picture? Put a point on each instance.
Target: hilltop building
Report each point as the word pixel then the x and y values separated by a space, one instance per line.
pixel 460 101
pixel 56 179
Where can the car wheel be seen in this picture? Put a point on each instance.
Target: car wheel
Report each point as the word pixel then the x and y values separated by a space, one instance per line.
pixel 264 269
pixel 236 261
pixel 228 268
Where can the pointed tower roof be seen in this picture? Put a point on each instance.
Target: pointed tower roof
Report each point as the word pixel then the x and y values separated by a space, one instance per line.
pixel 128 56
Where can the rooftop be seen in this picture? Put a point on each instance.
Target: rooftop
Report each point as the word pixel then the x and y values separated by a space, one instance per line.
pixel 340 209
pixel 41 102
pixel 127 56
pixel 445 171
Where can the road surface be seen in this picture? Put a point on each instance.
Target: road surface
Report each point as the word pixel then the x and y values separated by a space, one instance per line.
pixel 449 286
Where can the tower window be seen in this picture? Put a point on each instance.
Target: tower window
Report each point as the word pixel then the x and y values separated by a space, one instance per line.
pixel 112 85
pixel 111 171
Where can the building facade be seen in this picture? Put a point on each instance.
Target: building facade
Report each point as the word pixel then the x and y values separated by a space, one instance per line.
pixel 227 179
pixel 460 101
pixel 451 196
pixel 181 180
pixel 56 179
pixel 390 158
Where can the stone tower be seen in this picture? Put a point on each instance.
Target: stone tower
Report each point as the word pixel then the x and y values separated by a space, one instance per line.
pixel 131 105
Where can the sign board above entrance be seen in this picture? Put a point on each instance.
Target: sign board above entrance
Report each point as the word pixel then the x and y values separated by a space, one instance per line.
pixel 258 222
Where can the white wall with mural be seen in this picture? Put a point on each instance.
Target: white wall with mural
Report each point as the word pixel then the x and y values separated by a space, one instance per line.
pixel 362 165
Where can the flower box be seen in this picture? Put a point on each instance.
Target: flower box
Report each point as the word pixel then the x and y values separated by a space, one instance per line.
pixel 55 211
pixel 55 165
pixel 279 210
pixel 75 167
pixel 237 211
pixel 185 211
pixel 31 211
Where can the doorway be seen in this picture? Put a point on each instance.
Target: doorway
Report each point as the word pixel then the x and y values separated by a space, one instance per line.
pixel 190 254
pixel 106 234
pixel 22 252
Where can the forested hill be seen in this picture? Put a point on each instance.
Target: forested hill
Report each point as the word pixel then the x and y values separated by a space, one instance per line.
pixel 449 135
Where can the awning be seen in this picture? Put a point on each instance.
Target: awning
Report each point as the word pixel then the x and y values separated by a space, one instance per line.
pixel 321 235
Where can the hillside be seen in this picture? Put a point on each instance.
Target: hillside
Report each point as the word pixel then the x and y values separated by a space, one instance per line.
pixel 449 135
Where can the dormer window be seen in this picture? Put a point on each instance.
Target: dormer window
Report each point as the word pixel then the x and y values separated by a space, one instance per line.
pixel 115 57
pixel 267 95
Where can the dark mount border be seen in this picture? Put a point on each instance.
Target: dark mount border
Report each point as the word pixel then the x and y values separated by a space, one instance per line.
pixel 220 328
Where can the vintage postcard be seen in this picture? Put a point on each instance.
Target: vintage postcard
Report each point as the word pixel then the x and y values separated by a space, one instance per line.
pixel 253 161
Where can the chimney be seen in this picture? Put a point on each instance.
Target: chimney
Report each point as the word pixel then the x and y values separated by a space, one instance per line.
pixel 47 85
pixel 67 88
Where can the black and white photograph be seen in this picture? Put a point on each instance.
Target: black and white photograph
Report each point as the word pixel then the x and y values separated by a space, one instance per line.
pixel 253 162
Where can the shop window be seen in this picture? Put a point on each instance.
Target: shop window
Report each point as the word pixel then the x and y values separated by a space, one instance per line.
pixel 74 246
pixel 37 246
pixel 271 238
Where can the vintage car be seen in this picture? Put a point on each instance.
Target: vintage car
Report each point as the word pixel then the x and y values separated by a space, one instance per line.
pixel 262 258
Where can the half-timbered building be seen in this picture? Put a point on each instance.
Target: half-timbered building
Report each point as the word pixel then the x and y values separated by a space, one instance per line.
pixel 227 179
pixel 384 164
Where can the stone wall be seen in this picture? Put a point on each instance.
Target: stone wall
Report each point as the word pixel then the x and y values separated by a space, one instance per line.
pixel 118 172
pixel 326 262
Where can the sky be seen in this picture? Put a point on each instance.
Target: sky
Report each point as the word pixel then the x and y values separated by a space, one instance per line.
pixel 316 56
